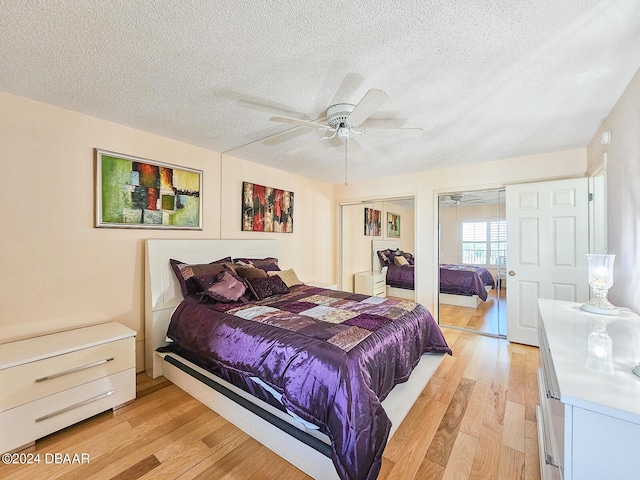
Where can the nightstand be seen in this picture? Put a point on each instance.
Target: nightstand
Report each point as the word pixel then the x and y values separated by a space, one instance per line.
pixel 371 283
pixel 52 381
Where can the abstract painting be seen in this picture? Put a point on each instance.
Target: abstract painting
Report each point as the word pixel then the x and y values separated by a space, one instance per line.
pixel 266 209
pixel 138 193
pixel 372 222
pixel 393 225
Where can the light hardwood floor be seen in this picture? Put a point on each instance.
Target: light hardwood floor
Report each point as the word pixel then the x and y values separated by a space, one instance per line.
pixel 474 420
pixel 489 317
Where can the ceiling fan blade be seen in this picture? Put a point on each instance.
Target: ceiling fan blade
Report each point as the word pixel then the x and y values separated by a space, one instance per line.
pixel 303 123
pixel 393 132
pixel 285 136
pixel 302 148
pixel 367 106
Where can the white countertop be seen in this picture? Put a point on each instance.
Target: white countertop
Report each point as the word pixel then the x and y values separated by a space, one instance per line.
pixel 567 328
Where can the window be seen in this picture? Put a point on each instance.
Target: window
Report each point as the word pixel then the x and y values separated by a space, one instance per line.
pixel 484 242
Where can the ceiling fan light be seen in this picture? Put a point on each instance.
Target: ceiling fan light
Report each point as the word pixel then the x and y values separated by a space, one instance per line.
pixel 343 133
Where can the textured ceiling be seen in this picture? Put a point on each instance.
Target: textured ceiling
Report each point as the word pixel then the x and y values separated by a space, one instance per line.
pixel 485 79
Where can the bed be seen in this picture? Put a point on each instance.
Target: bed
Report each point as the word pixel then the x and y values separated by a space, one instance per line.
pixel 272 396
pixel 400 279
pixel 461 285
pixel 464 285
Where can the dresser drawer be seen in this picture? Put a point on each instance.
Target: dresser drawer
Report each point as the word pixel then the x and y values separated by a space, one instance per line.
pixel 44 416
pixel 379 285
pixel 547 471
pixel 380 290
pixel 550 420
pixel 35 380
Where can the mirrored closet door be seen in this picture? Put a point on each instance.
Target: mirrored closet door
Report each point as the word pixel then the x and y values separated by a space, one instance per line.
pixel 366 226
pixel 472 256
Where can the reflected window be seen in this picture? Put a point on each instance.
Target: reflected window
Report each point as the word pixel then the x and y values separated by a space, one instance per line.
pixel 484 243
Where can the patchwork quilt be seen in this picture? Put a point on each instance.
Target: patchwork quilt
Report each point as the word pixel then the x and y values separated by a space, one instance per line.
pixel 332 356
pixel 465 280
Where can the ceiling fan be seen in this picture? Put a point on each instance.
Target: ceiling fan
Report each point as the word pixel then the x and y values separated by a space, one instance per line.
pixel 458 199
pixel 343 118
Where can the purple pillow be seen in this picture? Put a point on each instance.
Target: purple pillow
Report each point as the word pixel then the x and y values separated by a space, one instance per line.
pixel 267 287
pixel 224 287
pixel 384 259
pixel 185 273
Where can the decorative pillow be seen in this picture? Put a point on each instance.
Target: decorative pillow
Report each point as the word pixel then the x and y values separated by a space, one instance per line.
pixel 250 272
pixel 267 287
pixel 406 255
pixel 267 264
pixel 224 287
pixel 185 272
pixel 390 255
pixel 232 267
pixel 400 260
pixel 289 277
pixel 382 255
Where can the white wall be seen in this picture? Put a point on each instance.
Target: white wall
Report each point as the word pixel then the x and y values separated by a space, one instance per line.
pixel 59 272
pixel 623 192
pixel 426 186
pixel 406 240
pixel 309 249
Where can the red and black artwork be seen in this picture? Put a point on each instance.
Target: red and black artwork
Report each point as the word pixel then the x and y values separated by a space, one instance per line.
pixel 266 209
pixel 372 222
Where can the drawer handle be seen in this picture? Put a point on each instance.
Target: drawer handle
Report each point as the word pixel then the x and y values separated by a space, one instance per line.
pixel 77 405
pixel 73 370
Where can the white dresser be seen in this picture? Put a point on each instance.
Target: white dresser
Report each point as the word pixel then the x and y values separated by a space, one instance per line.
pixel 371 283
pixel 52 381
pixel 588 420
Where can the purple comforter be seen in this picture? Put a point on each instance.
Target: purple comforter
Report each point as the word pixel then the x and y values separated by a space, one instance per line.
pixel 465 280
pixel 334 356
pixel 401 276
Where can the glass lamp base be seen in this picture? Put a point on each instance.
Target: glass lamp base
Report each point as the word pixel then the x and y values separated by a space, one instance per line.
pixel 601 306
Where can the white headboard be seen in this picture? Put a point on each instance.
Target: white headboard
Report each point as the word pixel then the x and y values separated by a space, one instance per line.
pixel 377 245
pixel 162 291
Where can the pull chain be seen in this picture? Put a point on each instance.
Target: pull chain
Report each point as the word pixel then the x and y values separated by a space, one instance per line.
pixel 346 156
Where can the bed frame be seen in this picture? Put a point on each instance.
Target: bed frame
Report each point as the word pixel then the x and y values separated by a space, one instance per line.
pixel 306 449
pixel 470 301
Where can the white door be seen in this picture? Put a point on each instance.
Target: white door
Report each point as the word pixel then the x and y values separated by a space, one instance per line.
pixel 547 243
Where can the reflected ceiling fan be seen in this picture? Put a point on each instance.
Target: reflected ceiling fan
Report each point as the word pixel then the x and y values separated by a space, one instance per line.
pixel 342 120
pixel 458 199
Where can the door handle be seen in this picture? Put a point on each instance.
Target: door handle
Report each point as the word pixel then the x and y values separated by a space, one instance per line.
pixel 511 273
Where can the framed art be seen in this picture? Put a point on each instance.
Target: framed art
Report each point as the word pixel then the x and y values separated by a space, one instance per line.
pixel 372 222
pixel 266 209
pixel 134 192
pixel 393 225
